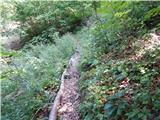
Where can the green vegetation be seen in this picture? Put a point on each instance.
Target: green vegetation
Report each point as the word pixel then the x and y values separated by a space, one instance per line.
pixel 30 79
pixel 113 86
pixel 39 20
pixel 120 60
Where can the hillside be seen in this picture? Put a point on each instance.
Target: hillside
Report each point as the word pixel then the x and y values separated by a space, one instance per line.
pixel 80 60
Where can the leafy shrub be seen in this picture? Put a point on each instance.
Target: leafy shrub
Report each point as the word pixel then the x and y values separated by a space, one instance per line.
pixel 31 79
pixel 114 87
pixel 41 19
pixel 109 95
pixel 122 21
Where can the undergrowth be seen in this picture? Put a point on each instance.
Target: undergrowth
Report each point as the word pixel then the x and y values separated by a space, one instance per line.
pixel 113 86
pixel 122 89
pixel 30 78
pixel 117 83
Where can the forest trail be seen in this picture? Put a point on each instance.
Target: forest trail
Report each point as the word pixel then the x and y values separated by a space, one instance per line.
pixel 70 98
pixel 67 100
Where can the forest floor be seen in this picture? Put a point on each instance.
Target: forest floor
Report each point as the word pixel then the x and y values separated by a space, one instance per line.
pixel 69 100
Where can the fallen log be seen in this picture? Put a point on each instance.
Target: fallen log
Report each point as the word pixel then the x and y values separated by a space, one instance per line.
pixel 66 75
pixel 53 113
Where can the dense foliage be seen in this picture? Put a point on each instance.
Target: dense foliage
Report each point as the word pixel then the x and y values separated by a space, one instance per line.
pixel 121 21
pixel 39 20
pixel 117 83
pixel 30 79
pixel 120 59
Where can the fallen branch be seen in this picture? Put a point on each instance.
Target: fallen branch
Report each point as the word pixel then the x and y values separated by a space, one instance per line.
pixel 53 113
pixel 65 75
pixel 34 115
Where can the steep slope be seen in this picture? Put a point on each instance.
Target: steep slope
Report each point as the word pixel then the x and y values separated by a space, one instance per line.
pixel 123 86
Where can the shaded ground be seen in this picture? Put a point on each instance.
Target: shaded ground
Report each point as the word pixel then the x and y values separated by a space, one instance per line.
pixel 70 100
pixel 12 42
pixel 9 39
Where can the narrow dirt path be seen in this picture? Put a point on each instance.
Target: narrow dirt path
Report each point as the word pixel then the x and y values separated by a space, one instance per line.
pixel 70 97
pixel 67 101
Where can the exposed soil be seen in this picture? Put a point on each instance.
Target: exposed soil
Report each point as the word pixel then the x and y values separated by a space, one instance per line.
pixel 67 101
pixel 9 39
pixel 70 100
pixel 12 42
